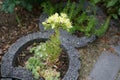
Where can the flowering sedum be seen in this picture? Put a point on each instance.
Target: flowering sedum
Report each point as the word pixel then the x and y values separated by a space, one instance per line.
pixel 57 21
pixel 51 74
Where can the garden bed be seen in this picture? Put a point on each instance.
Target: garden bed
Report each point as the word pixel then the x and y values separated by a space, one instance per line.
pixel 88 54
pixel 60 66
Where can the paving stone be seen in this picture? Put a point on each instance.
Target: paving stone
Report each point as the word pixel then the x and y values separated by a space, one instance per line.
pixel 106 67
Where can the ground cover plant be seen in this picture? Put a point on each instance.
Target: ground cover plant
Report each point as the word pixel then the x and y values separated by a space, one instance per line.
pixel 44 59
pixel 9 5
pixel 112 6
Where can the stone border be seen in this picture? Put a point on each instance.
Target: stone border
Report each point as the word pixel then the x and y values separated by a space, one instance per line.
pixel 9 71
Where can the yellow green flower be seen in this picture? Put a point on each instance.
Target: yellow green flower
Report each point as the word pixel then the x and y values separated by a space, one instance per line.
pixel 57 21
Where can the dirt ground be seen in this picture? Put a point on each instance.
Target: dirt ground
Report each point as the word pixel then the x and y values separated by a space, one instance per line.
pixel 11 30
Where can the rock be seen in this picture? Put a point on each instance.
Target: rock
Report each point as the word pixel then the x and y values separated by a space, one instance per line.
pixel 106 67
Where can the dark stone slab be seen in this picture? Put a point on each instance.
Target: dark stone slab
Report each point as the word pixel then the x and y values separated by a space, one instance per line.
pixel 74 40
pixel 106 67
pixel 8 68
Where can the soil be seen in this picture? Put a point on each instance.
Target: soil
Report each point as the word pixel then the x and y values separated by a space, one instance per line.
pixel 23 57
pixel 63 64
pixel 10 31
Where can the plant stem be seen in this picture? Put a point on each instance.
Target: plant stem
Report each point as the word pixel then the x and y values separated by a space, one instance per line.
pixel 18 19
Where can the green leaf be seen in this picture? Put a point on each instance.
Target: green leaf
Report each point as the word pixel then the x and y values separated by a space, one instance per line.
pixel 119 11
pixel 29 7
pixel 114 16
pixel 96 1
pixel 103 28
pixel 111 3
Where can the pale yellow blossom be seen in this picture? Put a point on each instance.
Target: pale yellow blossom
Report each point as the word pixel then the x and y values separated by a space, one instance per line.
pixel 58 21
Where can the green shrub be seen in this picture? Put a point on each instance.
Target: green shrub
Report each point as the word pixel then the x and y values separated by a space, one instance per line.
pixel 80 20
pixel 51 9
pixel 112 6
pixel 9 5
pixel 103 28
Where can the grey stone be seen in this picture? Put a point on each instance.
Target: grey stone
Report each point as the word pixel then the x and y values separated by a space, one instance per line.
pixel 8 68
pixel 20 73
pixel 74 40
pixel 106 67
pixel 42 19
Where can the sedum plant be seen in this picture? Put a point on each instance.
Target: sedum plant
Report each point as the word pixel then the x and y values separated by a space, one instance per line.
pixel 46 54
pixel 57 21
pixel 51 72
